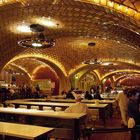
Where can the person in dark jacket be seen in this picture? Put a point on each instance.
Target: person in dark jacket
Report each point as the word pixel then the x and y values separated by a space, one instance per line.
pixel 133 110
pixel 133 107
pixel 88 96
pixel 70 94
pixel 92 92
pixel 138 94
pixel 98 96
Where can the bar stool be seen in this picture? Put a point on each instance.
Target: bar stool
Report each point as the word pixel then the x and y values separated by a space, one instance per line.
pixel 23 106
pixel 58 109
pixel 35 107
pixel 11 105
pixel 47 108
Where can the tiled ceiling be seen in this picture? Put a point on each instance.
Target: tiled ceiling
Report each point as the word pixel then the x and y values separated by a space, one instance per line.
pixel 135 4
pixel 119 68
pixel 117 36
pixel 29 64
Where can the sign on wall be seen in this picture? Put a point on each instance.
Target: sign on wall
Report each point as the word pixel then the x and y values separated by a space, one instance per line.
pixel 43 84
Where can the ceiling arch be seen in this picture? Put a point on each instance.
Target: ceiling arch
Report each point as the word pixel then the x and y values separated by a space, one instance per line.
pixel 13 68
pixel 130 81
pixel 116 34
pixel 127 75
pixel 134 4
pixel 21 68
pixel 114 72
pixel 105 68
pixel 127 7
pixel 23 57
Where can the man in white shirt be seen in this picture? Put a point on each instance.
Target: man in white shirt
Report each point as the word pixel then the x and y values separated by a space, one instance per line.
pixel 78 107
pixel 123 105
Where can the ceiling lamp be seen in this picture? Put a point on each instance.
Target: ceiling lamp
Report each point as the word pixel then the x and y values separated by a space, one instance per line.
pixel 92 61
pixel 24 28
pixel 38 40
pixel 91 44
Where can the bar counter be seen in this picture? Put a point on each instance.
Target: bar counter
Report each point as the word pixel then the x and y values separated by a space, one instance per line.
pixel 67 125
pixel 24 131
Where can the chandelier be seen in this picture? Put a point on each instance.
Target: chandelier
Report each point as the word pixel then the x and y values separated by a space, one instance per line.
pixel 38 40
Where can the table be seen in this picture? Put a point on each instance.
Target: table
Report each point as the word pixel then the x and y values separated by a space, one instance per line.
pixel 109 102
pixel 108 96
pixel 75 119
pixel 58 97
pixel 17 104
pixel 23 131
pixel 101 107
pixel 73 101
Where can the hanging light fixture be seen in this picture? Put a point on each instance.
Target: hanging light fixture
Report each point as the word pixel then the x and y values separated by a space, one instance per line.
pixel 38 40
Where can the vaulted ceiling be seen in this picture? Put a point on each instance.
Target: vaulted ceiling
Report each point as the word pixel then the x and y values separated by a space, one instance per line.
pixel 114 25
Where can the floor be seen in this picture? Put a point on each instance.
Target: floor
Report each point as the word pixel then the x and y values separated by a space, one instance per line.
pixel 114 122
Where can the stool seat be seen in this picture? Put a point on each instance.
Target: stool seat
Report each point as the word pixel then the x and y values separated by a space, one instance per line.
pixel 35 107
pixel 47 108
pixel 58 109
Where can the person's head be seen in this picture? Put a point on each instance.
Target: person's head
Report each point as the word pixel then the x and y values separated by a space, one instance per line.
pixel 87 92
pixel 97 92
pixel 78 98
pixel 132 94
pixel 63 92
pixel 72 88
pixel 92 90
pixel 126 91
pixel 98 88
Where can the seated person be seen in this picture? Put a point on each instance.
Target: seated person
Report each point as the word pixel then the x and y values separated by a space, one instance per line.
pixel 70 95
pixel 97 96
pixel 92 92
pixel 78 107
pixel 64 93
pixel 88 96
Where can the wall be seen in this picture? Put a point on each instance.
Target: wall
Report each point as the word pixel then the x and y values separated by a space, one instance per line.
pixel 19 79
pixel 132 81
pixel 47 73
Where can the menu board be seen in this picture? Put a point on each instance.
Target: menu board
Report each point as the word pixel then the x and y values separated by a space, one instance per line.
pixel 43 84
